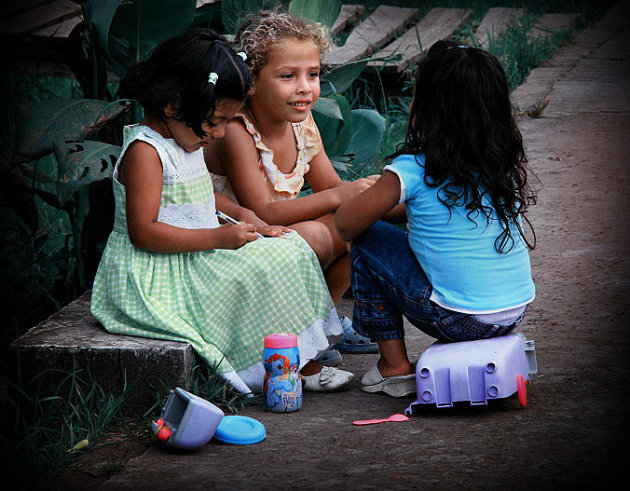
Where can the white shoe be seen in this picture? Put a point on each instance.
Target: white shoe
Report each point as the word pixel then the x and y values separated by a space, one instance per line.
pixel 327 380
pixel 395 386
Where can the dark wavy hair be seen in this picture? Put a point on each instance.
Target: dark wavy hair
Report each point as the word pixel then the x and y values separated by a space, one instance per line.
pixel 177 72
pixel 461 119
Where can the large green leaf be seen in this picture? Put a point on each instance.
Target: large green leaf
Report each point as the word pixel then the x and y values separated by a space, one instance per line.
pixel 81 163
pixel 334 120
pixel 128 30
pixel 328 108
pixel 323 11
pixel 340 78
pixel 234 11
pixel 40 123
pixel 369 129
pixel 98 15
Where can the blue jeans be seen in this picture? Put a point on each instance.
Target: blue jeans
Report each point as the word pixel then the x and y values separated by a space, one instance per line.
pixel 388 282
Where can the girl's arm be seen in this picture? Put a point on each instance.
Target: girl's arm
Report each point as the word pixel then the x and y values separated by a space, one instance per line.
pixel 141 174
pixel 241 214
pixel 357 214
pixel 239 157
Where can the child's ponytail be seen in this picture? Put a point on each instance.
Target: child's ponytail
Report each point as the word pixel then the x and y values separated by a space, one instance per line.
pixel 192 72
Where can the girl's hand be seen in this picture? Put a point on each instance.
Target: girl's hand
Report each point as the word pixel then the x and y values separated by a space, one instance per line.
pixel 273 230
pixel 262 227
pixel 358 213
pixel 348 190
pixel 235 236
pixel 248 216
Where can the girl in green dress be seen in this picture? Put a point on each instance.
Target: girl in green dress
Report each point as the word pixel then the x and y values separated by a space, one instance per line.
pixel 170 270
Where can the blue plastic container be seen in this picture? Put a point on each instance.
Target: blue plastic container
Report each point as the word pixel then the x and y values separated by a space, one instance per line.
pixel 187 421
pixel 282 389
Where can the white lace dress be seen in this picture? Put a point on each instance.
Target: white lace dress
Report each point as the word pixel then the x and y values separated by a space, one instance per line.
pixel 222 302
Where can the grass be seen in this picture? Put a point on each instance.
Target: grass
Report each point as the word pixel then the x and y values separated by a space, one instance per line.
pixel 207 384
pixel 43 433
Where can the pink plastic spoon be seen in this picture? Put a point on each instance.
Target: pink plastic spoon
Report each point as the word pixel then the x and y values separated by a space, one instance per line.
pixel 393 417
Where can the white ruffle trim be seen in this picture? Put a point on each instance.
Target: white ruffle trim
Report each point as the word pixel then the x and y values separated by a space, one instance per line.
pixel 189 216
pixel 316 339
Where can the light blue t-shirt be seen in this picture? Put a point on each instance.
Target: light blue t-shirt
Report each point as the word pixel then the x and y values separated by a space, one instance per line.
pixel 458 256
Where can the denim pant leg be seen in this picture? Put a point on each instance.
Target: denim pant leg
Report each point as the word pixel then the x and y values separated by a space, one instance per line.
pixel 387 282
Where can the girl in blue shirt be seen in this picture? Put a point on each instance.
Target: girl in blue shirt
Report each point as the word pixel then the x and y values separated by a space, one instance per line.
pixel 462 271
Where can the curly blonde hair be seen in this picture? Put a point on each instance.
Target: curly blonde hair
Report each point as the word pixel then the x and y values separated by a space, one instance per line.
pixel 261 31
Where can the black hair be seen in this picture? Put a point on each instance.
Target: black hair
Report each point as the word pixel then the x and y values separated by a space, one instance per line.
pixel 177 72
pixel 461 120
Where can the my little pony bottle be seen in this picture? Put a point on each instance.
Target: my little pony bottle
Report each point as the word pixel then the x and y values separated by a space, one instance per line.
pixel 282 390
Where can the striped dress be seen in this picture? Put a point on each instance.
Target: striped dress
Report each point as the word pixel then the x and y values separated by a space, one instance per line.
pixel 223 302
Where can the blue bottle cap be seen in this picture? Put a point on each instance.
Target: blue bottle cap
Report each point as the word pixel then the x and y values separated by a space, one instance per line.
pixel 240 430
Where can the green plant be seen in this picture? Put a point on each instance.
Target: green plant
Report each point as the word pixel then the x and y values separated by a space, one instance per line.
pixel 517 49
pixel 538 108
pixel 41 434
pixel 58 154
pixel 60 127
pixel 207 384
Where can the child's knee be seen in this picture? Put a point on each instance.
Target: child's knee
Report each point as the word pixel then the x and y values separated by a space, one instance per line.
pixel 318 237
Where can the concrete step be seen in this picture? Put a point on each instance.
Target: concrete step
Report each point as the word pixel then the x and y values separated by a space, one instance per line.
pixel 371 34
pixel 439 23
pixel 550 23
pixel 348 16
pixel 47 18
pixel 72 339
pixel 495 23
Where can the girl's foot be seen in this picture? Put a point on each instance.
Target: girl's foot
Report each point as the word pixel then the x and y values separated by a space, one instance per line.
pixel 352 341
pixel 394 385
pixel 328 379
pixel 330 358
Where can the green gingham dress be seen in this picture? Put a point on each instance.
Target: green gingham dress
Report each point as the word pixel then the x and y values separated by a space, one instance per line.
pixel 223 302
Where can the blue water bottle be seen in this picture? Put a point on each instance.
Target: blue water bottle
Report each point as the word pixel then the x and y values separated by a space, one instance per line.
pixel 282 389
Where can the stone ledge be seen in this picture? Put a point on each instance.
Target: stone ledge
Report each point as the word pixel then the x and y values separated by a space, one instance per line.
pixel 72 339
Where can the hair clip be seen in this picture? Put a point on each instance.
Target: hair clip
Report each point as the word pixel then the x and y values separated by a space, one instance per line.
pixel 242 55
pixel 463 46
pixel 212 78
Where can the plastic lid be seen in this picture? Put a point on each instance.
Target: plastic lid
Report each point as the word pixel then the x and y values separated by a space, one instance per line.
pixel 282 340
pixel 240 430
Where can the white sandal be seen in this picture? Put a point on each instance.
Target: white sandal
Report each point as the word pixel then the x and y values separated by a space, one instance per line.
pixel 395 386
pixel 329 379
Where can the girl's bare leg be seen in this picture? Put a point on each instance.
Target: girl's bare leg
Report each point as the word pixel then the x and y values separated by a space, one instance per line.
pixel 318 237
pixel 394 360
pixel 337 277
pixel 311 368
pixel 331 251
pixel 337 271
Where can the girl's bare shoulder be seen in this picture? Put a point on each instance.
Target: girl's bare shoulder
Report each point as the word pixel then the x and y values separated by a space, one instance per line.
pixel 139 157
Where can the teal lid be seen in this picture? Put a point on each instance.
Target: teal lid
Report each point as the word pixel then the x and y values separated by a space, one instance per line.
pixel 240 430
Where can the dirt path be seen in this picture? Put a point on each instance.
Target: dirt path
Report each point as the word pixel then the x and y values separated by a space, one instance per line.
pixel 572 432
